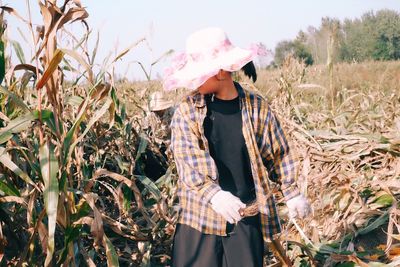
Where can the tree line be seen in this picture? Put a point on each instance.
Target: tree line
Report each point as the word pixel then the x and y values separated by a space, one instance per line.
pixel 374 36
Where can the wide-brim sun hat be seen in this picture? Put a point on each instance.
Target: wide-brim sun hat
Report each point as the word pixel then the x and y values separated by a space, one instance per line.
pixel 159 102
pixel 207 52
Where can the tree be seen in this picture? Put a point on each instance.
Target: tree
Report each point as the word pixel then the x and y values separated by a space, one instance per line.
pixel 372 36
pixel 387 40
pixel 295 48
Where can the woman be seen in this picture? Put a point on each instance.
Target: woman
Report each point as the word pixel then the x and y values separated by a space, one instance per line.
pixel 222 139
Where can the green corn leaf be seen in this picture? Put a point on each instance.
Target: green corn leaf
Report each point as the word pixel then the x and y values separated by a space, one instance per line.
pixel 79 118
pixel 97 115
pixel 49 169
pixel 2 62
pixel 17 125
pixel 18 101
pixel 18 50
pixel 112 257
pixel 384 200
pixel 8 189
pixel 150 185
pixel 5 159
pixel 142 146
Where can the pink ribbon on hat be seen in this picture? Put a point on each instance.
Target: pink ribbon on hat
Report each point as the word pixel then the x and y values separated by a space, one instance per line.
pixel 259 49
pixel 224 46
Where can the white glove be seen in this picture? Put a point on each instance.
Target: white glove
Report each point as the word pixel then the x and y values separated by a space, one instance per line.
pixel 227 205
pixel 298 206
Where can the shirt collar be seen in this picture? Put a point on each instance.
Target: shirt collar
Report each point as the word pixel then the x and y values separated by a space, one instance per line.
pixel 200 101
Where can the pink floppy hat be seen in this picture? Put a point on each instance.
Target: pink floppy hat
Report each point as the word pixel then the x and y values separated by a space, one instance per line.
pixel 207 51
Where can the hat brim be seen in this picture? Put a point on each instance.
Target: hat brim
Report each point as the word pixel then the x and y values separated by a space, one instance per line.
pixel 162 106
pixel 195 73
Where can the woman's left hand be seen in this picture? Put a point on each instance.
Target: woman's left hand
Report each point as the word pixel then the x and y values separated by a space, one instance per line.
pixel 298 207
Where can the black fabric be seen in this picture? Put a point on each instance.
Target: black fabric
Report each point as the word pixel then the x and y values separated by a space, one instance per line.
pixel 243 247
pixel 223 130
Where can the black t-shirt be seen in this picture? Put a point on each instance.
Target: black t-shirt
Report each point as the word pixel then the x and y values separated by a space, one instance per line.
pixel 223 130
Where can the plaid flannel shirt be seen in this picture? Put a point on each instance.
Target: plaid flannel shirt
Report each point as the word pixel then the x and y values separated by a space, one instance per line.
pixel 270 158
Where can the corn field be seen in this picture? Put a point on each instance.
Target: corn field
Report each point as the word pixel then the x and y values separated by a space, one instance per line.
pixel 84 181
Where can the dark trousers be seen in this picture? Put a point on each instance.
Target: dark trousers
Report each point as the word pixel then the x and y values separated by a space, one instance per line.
pixel 242 247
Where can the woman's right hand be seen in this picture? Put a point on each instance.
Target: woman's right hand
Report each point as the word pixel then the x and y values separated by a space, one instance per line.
pixel 227 205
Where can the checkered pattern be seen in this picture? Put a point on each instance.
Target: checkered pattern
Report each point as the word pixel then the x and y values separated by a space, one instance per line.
pixel 269 152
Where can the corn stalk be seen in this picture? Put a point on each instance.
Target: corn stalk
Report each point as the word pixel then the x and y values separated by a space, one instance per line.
pixel 68 154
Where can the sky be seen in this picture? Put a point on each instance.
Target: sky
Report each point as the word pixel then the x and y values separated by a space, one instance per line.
pixel 166 24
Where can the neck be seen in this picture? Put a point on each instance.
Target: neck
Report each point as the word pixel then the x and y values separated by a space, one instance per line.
pixel 227 90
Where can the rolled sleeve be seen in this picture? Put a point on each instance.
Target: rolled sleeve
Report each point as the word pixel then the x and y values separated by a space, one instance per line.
pixel 280 160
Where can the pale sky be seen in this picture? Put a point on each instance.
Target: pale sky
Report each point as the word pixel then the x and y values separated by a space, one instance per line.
pixel 168 23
